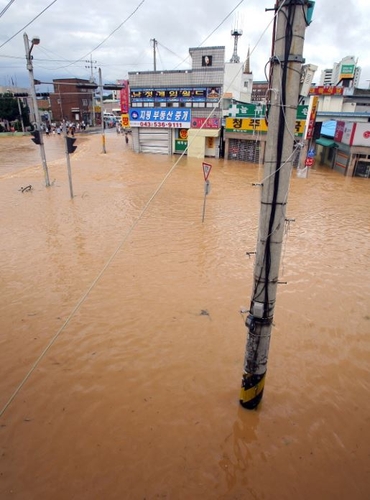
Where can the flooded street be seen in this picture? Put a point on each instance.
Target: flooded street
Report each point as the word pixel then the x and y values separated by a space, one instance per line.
pixel 122 341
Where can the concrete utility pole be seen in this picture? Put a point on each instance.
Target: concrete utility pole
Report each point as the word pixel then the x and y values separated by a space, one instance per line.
pixel 154 53
pixel 284 93
pixel 36 41
pixel 92 80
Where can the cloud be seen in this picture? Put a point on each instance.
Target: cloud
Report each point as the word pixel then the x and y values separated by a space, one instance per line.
pixel 70 31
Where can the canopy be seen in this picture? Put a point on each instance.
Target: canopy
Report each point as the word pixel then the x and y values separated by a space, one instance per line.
pixel 329 143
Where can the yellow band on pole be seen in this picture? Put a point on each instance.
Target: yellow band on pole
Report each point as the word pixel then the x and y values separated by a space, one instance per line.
pixel 252 392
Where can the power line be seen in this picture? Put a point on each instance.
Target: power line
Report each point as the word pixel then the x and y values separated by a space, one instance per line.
pixel 24 27
pixel 105 39
pixel 221 23
pixel 6 8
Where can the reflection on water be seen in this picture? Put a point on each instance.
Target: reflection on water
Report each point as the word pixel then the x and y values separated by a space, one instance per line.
pixel 128 327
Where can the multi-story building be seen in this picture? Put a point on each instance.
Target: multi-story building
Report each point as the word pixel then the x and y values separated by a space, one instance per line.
pixel 345 73
pixel 71 103
pixel 174 111
pixel 259 91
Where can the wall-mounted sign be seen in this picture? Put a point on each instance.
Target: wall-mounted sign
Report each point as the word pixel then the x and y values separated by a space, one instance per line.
pixel 206 61
pixel 213 93
pixel 160 117
pixel 326 90
pixel 257 125
pixel 183 134
pixel 185 94
pixel 212 122
pixel 125 121
pixel 347 71
pixel 248 125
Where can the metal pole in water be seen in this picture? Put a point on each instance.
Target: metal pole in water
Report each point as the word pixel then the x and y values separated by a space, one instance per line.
pixel 101 112
pixel 286 63
pixel 68 160
pixel 207 188
pixel 28 49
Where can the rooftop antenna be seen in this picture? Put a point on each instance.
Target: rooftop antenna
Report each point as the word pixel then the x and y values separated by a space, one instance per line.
pixel 236 33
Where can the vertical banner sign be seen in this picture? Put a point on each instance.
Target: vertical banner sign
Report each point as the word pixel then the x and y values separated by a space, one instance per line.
pixel 311 117
pixel 207 185
pixel 124 97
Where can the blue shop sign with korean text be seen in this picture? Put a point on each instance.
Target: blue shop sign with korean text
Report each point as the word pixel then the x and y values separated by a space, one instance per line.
pixel 160 117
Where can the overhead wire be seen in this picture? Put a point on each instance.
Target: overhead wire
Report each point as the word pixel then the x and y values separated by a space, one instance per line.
pixel 212 32
pixel 97 278
pixel 6 7
pixel 28 24
pixel 107 38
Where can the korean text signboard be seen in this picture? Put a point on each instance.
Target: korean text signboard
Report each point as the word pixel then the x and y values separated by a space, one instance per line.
pixel 160 117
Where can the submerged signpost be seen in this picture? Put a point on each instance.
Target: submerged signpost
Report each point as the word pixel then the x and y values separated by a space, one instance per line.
pixel 207 185
pixel 292 17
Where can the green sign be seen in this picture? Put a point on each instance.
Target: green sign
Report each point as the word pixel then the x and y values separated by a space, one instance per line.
pixel 259 110
pixel 180 145
pixel 247 110
pixel 347 71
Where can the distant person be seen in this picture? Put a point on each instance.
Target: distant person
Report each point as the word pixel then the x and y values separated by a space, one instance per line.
pixel 126 137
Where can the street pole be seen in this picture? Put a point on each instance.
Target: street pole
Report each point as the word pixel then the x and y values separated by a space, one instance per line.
pixel 36 41
pixel 154 53
pixel 284 86
pixel 69 171
pixel 101 112
pixel 20 113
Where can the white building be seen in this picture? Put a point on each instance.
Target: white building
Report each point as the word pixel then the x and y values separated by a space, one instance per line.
pixel 346 72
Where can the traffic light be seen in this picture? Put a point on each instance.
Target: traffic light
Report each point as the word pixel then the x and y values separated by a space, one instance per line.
pixel 70 147
pixel 36 137
pixel 42 94
pixel 20 94
pixel 90 86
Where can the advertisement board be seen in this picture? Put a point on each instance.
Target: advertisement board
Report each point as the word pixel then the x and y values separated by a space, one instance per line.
pixel 356 134
pixel 185 94
pixel 347 71
pixel 326 90
pixel 124 97
pixel 212 123
pixel 160 117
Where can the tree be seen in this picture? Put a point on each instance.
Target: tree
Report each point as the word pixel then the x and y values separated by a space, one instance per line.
pixel 9 109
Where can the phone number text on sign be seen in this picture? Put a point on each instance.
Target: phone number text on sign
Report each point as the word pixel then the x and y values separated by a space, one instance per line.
pixel 161 124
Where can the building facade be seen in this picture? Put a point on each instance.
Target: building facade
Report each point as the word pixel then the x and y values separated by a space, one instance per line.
pixel 346 73
pixel 71 103
pixel 176 111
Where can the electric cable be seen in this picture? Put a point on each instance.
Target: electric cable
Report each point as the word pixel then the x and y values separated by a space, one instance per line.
pixel 24 27
pixel 6 7
pixel 107 38
pixel 90 288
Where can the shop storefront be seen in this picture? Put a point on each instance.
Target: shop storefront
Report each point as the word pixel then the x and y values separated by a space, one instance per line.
pixel 156 130
pixel 246 131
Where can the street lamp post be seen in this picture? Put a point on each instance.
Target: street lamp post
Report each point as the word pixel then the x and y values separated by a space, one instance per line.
pixel 36 41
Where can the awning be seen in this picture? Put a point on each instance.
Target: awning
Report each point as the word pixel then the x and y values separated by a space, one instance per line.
pixel 329 143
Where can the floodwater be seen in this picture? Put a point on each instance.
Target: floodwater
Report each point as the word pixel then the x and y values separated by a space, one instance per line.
pixel 122 338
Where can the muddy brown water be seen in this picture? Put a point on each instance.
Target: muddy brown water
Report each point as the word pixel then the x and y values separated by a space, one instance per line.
pixel 122 340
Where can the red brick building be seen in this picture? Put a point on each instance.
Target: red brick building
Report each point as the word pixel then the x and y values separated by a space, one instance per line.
pixel 68 102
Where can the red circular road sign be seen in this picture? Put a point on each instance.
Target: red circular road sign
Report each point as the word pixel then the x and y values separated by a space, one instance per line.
pixel 309 162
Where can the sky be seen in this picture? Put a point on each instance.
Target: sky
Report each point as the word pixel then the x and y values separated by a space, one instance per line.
pixel 78 37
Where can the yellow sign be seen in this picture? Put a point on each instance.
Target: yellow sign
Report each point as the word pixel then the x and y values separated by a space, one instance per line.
pixel 299 127
pixel 125 121
pixel 251 125
pixel 246 125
